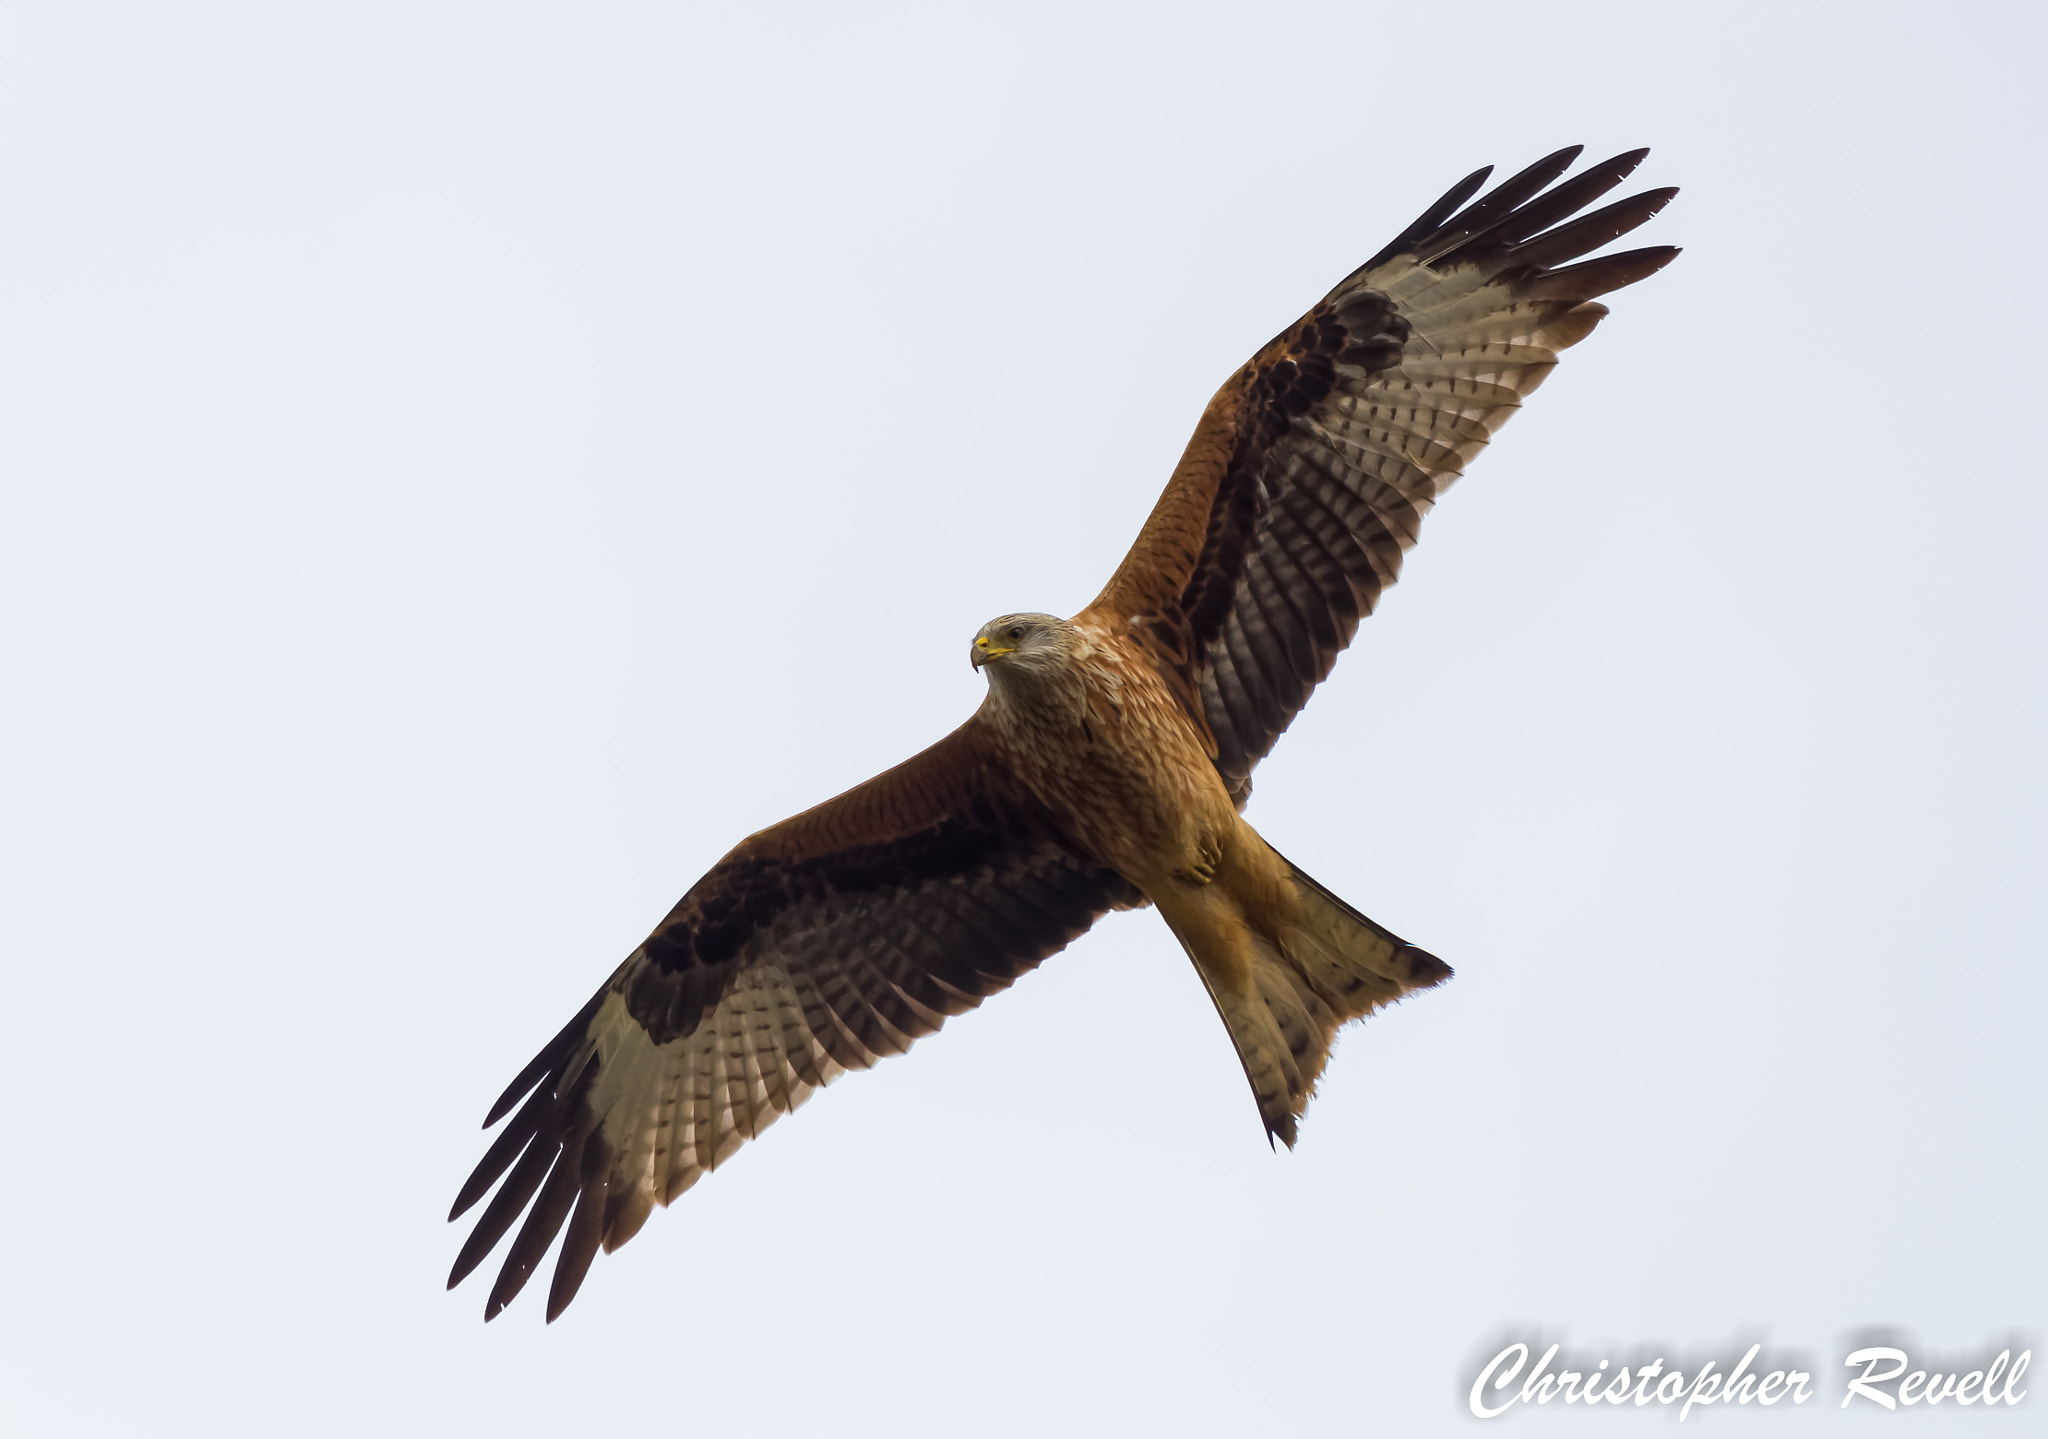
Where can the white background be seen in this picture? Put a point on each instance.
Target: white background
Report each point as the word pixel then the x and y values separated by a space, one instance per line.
pixel 464 467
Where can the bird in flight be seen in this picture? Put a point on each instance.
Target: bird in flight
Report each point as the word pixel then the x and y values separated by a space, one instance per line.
pixel 1106 768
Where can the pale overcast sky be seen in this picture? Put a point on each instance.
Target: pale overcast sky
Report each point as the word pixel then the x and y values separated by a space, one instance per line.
pixel 463 467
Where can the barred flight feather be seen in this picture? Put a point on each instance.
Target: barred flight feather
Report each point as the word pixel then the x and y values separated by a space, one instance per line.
pixel 1370 406
pixel 838 958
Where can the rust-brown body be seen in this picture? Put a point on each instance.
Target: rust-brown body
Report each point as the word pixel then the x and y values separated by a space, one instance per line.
pixel 1100 740
pixel 1081 720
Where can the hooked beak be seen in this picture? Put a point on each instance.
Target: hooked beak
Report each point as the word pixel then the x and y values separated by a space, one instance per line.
pixel 986 649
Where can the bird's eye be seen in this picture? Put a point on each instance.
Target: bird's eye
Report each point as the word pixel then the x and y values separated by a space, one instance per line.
pixel 1016 632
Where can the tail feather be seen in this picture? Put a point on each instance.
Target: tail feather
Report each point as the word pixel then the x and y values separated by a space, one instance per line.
pixel 1284 987
pixel 1365 964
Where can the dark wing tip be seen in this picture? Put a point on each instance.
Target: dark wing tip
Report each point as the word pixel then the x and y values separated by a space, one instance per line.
pixel 1625 162
pixel 1504 199
pixel 1594 278
pixel 506 1148
pixel 1591 230
pixel 519 1187
pixel 551 1206
pixel 586 1226
pixel 1452 216
pixel 1432 219
pixel 545 1156
pixel 553 1055
pixel 520 1087
pixel 1527 222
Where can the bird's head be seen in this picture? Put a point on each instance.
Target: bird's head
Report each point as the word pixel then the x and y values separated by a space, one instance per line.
pixel 1017 645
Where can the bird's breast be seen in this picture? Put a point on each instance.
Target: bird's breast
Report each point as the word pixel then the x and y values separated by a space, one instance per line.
pixel 1107 749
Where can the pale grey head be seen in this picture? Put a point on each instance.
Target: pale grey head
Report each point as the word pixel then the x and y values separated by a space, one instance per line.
pixel 1019 646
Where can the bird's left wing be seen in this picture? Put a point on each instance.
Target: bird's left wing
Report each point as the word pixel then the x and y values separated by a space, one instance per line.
pixel 1309 474
pixel 818 946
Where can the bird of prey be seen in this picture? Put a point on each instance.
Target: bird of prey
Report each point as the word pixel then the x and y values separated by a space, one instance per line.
pixel 1105 769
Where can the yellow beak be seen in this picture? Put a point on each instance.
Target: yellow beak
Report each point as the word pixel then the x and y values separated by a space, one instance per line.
pixel 986 649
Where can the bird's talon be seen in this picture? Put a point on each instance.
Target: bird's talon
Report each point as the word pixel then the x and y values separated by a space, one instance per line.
pixel 1202 868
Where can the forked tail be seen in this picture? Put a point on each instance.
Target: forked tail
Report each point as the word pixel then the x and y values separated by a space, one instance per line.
pixel 1286 977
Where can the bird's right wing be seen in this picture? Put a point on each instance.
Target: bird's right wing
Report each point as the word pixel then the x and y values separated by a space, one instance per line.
pixel 818 946
pixel 1309 474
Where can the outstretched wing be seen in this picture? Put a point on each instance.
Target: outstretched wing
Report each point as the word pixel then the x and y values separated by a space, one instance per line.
pixel 818 946
pixel 1309 474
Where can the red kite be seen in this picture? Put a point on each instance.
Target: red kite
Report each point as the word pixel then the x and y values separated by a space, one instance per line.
pixel 1105 769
